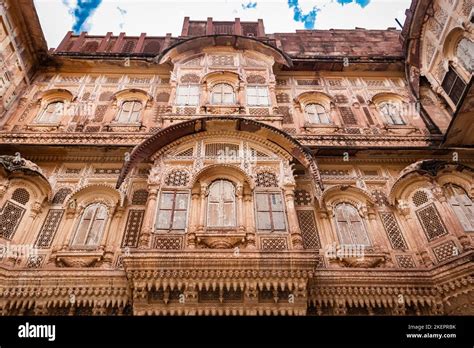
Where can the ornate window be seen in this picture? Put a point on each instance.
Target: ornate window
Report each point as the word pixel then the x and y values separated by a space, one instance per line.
pixel 257 96
pixel 453 85
pixel 465 54
pixel 391 112
pixel 428 215
pixel 187 95
pixel 130 111
pixel 52 113
pixel 462 206
pixel 222 94
pixel 12 212
pixel 172 211
pixel 91 226
pixel 221 204
pixel 316 113
pixel 350 227
pixel 270 212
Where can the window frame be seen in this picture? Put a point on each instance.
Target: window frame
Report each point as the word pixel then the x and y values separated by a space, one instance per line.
pixel 188 87
pixel 58 114
pixel 172 211
pixel 270 211
pixel 130 112
pixel 389 118
pixel 317 114
pixel 257 95
pixel 222 94
pixel 450 189
pixel 351 232
pixel 449 89
pixel 221 206
pixel 92 221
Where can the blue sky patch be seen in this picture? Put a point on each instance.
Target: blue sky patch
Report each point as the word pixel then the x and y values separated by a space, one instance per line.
pixel 81 13
pixel 249 5
pixel 361 3
pixel 308 19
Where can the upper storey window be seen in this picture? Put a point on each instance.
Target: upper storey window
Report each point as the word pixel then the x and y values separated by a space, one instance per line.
pixel 130 111
pixel 465 54
pixel 52 113
pixel 187 95
pixel 462 206
pixel 257 96
pixel 391 112
pixel 453 85
pixel 316 113
pixel 222 94
pixel 91 226
pixel 350 227
pixel 221 204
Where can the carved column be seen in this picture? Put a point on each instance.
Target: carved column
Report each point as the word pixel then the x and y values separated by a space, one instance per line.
pixel 240 207
pixel 150 211
pixel 110 240
pixel 202 209
pixel 193 220
pixel 295 232
pixel 249 220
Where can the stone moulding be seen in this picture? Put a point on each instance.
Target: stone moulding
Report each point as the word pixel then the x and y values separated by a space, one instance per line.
pixel 434 291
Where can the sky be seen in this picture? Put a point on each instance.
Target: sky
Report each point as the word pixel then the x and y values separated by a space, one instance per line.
pixel 158 17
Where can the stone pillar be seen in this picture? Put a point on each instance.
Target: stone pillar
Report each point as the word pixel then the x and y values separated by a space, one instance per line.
pixel 193 220
pixel 249 220
pixel 240 208
pixel 202 209
pixel 109 240
pixel 293 225
pixel 150 211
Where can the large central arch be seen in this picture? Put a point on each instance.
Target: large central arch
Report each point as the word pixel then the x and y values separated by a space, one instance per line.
pixel 166 136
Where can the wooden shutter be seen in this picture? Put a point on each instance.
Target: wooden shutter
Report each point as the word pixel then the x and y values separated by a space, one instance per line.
pixel 453 85
pixel 347 115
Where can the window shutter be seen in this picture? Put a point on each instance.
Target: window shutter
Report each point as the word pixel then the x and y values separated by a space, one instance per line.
pixel 370 121
pixel 347 115
pixel 453 85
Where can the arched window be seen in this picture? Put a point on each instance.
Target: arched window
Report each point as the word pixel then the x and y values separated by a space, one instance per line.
pixel 130 111
pixel 462 206
pixel 52 113
pixel 187 95
pixel 391 112
pixel 350 227
pixel 221 204
pixel 465 54
pixel 91 226
pixel 316 113
pixel 222 94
